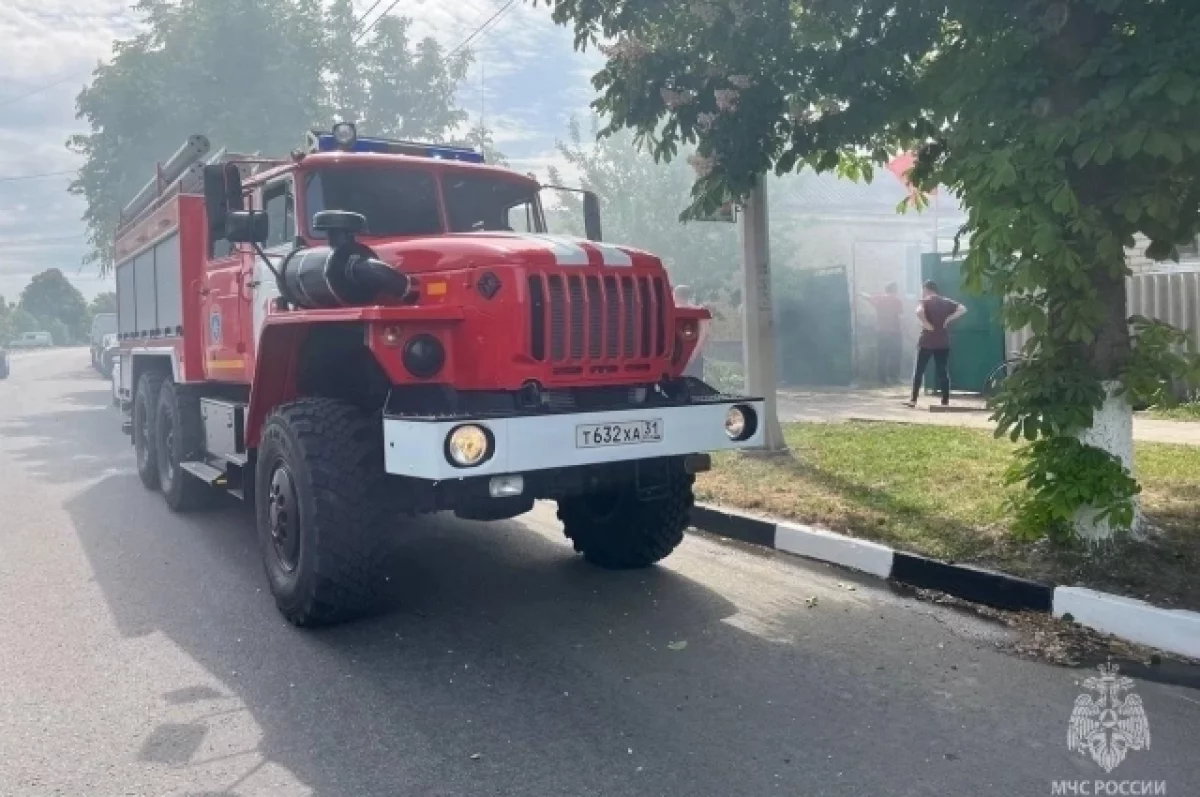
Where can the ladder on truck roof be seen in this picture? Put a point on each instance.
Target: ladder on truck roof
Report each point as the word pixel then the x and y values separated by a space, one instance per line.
pixel 183 173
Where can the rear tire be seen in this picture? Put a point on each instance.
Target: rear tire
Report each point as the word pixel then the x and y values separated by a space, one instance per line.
pixel 178 438
pixel 320 508
pixel 618 531
pixel 145 405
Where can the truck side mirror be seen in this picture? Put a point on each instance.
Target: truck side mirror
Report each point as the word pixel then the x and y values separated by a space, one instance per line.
pixel 591 216
pixel 222 195
pixel 246 227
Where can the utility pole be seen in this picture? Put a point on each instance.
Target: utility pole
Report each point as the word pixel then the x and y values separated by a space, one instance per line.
pixel 758 322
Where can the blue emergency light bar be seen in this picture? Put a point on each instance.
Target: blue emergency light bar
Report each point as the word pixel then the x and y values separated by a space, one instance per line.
pixel 328 142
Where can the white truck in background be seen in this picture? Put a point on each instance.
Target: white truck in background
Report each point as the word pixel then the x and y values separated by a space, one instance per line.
pixel 103 340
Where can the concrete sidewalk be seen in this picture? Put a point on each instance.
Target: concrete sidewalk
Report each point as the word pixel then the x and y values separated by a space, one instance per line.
pixel 832 405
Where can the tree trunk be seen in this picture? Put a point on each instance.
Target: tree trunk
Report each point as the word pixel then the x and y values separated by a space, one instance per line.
pixel 1112 424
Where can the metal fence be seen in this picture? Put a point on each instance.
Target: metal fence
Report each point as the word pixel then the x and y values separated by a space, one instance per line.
pixel 1170 295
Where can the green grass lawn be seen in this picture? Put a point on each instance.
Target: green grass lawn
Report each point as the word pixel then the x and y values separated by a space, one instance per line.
pixel 940 491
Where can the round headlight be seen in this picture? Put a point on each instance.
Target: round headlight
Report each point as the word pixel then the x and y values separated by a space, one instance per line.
pixel 735 423
pixel 424 355
pixel 468 446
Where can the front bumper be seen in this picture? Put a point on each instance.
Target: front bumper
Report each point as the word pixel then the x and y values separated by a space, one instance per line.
pixel 549 441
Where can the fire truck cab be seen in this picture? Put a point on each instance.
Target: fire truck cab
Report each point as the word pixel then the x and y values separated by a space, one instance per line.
pixel 373 329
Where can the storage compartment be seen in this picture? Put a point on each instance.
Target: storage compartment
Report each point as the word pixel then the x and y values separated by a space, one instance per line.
pixel 168 288
pixel 224 425
pixel 150 292
pixel 126 304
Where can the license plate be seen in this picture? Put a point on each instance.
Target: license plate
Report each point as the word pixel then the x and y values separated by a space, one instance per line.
pixel 624 433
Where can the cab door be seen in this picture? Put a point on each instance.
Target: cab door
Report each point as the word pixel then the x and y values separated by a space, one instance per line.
pixel 224 355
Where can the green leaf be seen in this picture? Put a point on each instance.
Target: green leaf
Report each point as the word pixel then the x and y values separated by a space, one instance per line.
pixel 1064 201
pixel 1113 96
pixel 1131 143
pixel 1004 175
pixel 1084 152
pixel 1161 143
pixel 1150 86
pixel 1173 149
pixel 1181 89
pixel 1104 153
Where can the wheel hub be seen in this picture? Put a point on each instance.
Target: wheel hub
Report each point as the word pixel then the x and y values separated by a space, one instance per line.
pixel 283 516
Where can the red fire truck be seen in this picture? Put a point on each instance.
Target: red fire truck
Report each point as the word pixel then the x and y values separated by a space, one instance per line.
pixel 373 328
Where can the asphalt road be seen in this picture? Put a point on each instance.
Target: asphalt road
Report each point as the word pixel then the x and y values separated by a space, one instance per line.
pixel 140 653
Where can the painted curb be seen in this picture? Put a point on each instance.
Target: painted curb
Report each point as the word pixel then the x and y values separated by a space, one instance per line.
pixel 734 525
pixel 972 583
pixel 1176 630
pixel 812 543
pixel 1173 630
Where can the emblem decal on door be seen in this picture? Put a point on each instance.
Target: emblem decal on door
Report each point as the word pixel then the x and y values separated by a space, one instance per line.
pixel 214 327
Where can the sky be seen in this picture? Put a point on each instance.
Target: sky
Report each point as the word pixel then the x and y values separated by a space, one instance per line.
pixel 527 81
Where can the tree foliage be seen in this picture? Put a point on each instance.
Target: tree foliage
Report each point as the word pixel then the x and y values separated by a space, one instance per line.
pixel 254 76
pixel 50 298
pixel 640 203
pixel 6 322
pixel 1067 127
pixel 103 303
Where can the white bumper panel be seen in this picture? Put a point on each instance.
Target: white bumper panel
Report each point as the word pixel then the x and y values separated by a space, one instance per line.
pixel 545 442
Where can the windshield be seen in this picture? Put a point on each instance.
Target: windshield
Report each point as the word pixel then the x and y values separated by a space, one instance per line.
pixel 395 202
pixel 487 202
pixel 403 202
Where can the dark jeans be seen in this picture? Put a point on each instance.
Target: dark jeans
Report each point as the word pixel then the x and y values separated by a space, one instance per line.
pixel 941 370
pixel 888 350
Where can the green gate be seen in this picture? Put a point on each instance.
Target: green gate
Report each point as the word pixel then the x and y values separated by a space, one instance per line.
pixel 976 339
pixel 814 341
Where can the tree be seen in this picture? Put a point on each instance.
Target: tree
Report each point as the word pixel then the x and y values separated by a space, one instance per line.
pixel 59 334
pixel 348 88
pixel 252 75
pixel 22 322
pixel 411 92
pixel 103 303
pixel 640 203
pixel 49 296
pixel 481 138
pixel 6 325
pixel 1066 127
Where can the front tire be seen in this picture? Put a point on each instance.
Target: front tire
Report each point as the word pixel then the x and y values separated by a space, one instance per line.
pixel 320 510
pixel 178 438
pixel 617 530
pixel 145 403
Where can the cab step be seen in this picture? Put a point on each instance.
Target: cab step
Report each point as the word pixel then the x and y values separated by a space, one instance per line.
pixel 205 473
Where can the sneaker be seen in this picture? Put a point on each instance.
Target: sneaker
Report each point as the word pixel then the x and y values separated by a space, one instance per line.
pixel 910 404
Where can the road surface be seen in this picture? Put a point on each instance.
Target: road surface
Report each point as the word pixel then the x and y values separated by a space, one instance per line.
pixel 140 654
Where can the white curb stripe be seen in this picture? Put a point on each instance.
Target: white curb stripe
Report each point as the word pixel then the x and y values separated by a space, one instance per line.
pixel 869 557
pixel 1173 630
